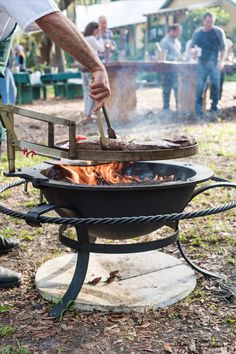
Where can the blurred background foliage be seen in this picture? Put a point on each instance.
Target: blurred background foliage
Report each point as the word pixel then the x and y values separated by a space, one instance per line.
pixel 41 53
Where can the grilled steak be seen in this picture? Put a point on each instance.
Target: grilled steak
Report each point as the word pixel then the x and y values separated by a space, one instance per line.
pixel 120 145
pixel 182 140
pixel 93 143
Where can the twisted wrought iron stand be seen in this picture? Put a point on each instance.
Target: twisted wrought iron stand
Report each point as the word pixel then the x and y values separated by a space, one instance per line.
pixel 85 244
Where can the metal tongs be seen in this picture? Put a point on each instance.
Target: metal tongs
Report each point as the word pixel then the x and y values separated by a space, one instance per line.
pixel 110 131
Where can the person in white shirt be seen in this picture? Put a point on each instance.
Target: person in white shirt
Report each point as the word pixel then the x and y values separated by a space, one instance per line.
pixel 33 15
pixel 109 43
pixel 91 34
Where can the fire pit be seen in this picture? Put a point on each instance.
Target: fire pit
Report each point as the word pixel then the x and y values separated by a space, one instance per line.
pixel 113 201
pixel 164 201
pixel 139 195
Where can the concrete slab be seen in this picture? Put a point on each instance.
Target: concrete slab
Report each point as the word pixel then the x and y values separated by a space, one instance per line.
pixel 146 281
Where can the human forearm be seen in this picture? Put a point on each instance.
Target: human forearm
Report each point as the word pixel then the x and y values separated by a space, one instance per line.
pixel 221 60
pixel 63 32
pixel 222 56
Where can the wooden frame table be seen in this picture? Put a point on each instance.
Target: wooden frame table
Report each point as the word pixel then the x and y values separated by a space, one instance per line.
pixel 122 76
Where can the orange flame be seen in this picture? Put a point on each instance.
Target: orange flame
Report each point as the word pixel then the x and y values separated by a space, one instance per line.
pixel 110 173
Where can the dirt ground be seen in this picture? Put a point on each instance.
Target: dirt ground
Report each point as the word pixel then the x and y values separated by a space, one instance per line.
pixel 202 323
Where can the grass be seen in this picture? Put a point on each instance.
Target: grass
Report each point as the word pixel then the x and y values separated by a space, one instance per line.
pixel 7 194
pixel 14 349
pixel 21 161
pixel 198 295
pixel 26 202
pixel 232 260
pixel 231 320
pixel 4 309
pixel 230 77
pixel 23 234
pixel 214 341
pixel 6 330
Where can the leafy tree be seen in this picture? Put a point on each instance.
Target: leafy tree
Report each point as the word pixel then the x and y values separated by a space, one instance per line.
pixel 194 20
pixel 47 47
pixel 63 4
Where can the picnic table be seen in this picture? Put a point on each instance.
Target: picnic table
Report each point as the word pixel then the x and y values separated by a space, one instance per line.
pixel 24 87
pixel 67 84
pixel 26 91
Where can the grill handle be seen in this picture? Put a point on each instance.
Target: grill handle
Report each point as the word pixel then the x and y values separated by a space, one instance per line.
pixel 103 139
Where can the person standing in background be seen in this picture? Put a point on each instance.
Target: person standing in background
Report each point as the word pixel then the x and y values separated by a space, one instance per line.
pixel 228 53
pixel 91 35
pixel 20 61
pixel 7 84
pixel 172 46
pixel 108 39
pixel 211 41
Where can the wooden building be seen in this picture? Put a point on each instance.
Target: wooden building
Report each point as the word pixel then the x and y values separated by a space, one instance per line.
pixel 175 11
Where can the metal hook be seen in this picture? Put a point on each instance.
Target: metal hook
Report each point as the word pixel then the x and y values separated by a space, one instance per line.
pixel 25 189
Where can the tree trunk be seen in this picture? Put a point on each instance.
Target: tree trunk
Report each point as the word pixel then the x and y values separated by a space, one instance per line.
pixel 54 57
pixel 63 4
pixel 58 59
pixel 45 50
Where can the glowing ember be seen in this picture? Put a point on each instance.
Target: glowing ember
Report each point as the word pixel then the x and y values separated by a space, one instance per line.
pixel 105 174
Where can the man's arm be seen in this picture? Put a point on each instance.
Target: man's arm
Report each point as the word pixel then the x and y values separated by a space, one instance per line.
pixel 113 42
pixel 222 39
pixel 64 33
pixel 165 46
pixel 221 60
pixel 193 51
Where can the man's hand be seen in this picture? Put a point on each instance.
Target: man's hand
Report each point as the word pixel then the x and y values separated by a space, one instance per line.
pixel 194 52
pixel 64 33
pixel 221 65
pixel 99 88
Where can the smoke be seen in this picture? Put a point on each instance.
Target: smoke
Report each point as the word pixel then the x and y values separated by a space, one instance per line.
pixel 136 108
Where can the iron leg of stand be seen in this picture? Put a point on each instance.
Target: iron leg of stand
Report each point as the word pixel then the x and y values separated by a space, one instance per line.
pixel 77 280
pixel 206 273
pixel 220 183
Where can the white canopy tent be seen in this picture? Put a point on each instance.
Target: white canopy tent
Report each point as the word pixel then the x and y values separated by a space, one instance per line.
pixel 118 13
